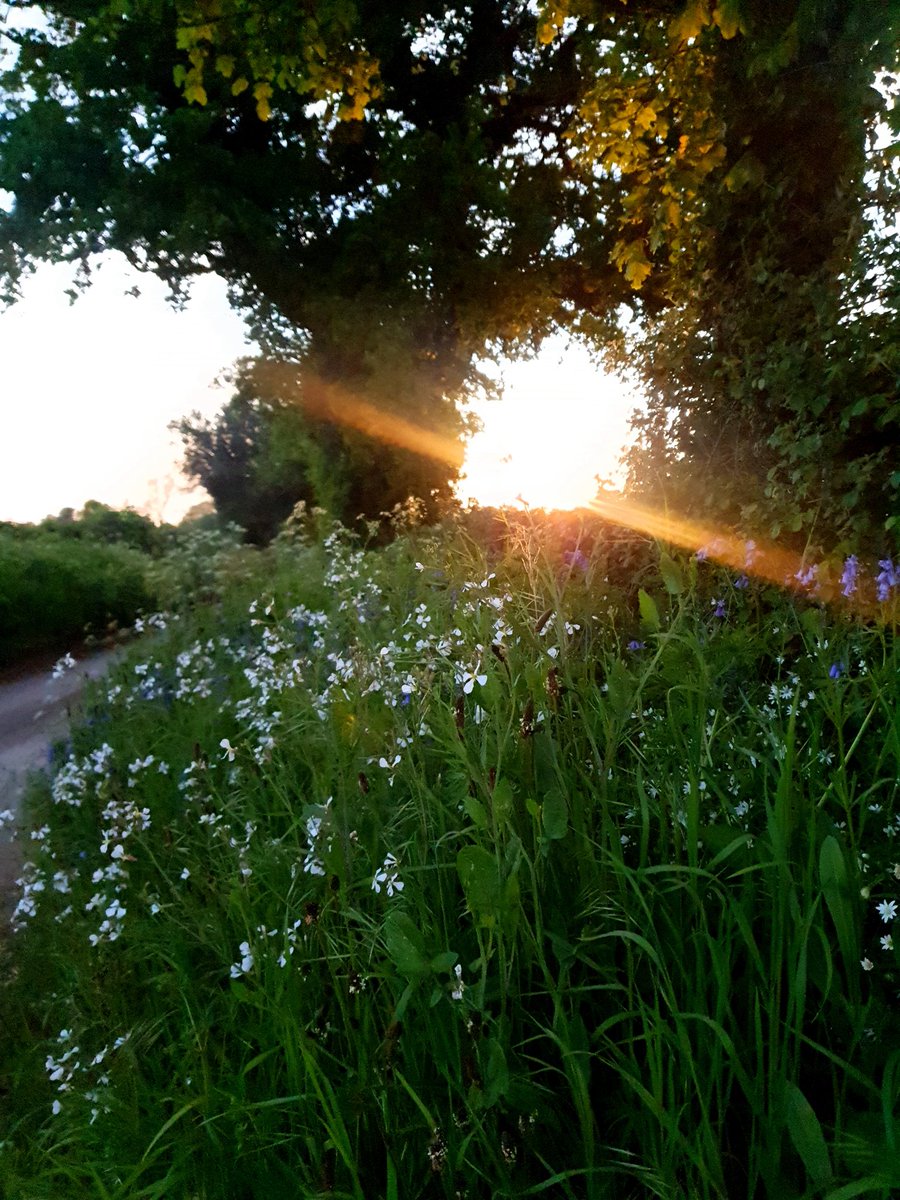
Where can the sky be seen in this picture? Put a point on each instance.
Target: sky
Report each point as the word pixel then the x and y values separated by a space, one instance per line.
pixel 87 391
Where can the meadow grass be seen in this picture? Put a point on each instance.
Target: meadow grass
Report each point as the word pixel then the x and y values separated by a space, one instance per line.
pixel 546 866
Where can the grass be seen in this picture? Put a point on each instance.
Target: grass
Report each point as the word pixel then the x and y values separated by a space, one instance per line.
pixel 549 869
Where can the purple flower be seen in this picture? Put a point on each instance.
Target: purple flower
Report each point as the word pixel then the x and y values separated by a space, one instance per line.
pixel 742 581
pixel 836 670
pixel 887 579
pixel 634 645
pixel 849 575
pixel 575 558
pixel 751 554
pixel 719 608
pixel 806 576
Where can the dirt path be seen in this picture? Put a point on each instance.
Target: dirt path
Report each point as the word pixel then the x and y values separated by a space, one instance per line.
pixel 34 712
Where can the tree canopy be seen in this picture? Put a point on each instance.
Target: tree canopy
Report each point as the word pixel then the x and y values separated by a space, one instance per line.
pixel 394 188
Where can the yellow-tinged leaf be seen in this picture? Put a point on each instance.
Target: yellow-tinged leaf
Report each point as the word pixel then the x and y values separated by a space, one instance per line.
pixel 225 65
pixel 195 94
pixel 240 85
pixel 727 17
pixel 263 92
pixel 632 261
pixel 691 22
pixel 646 117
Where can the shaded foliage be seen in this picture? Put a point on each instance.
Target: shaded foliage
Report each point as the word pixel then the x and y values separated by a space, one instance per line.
pixel 391 190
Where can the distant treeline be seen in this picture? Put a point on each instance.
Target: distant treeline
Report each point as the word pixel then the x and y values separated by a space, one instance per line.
pixel 75 576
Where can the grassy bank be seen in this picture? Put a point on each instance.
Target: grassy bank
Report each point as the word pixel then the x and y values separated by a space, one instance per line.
pixel 557 869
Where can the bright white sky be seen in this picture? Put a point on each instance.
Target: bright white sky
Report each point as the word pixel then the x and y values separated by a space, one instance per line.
pixel 87 392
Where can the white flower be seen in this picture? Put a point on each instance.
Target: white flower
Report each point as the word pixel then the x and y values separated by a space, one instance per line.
pixel 245 966
pixel 387 877
pixel 867 964
pixel 887 942
pixel 459 987
pixel 887 910
pixel 469 676
pixel 228 748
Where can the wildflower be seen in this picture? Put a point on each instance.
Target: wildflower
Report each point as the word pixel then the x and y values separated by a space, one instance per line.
pixel 867 964
pixel 469 676
pixel 575 558
pixel 887 579
pixel 228 748
pixel 836 670
pixel 636 645
pixel 719 607
pixel 849 575
pixel 459 987
pixel 806 576
pixel 387 877
pixel 887 942
pixel 887 910
pixel 742 582
pixel 245 966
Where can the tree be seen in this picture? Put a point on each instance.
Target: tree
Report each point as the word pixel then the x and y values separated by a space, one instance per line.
pixel 393 188
pixel 252 458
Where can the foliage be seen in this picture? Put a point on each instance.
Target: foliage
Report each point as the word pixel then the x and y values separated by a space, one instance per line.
pixel 55 589
pixel 392 190
pixel 98 522
pixel 432 871
pixel 253 458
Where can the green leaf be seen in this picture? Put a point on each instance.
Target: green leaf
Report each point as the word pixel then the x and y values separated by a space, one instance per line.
pixel 649 611
pixel 502 800
pixel 555 815
pixel 671 573
pixel 405 945
pixel 444 961
pixel 476 810
pixel 496 1073
pixel 480 878
pixel 806 1134
pixel 836 890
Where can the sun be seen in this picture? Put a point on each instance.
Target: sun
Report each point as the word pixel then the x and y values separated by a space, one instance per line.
pixel 561 424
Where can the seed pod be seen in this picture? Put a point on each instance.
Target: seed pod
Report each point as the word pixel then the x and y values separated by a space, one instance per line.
pixel 528 719
pixel 542 620
pixel 363 781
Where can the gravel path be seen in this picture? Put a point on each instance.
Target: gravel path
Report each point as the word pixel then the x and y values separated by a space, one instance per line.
pixel 34 712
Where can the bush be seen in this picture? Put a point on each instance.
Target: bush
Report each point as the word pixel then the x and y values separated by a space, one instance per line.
pixel 54 590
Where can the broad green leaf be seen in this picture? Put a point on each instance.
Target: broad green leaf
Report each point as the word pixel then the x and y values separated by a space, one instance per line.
pixel 444 961
pixel 405 945
pixel 620 690
pixel 649 611
pixel 502 799
pixel 496 1073
pixel 806 1134
pixel 476 810
pixel 480 879
pixel 555 815
pixel 671 573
